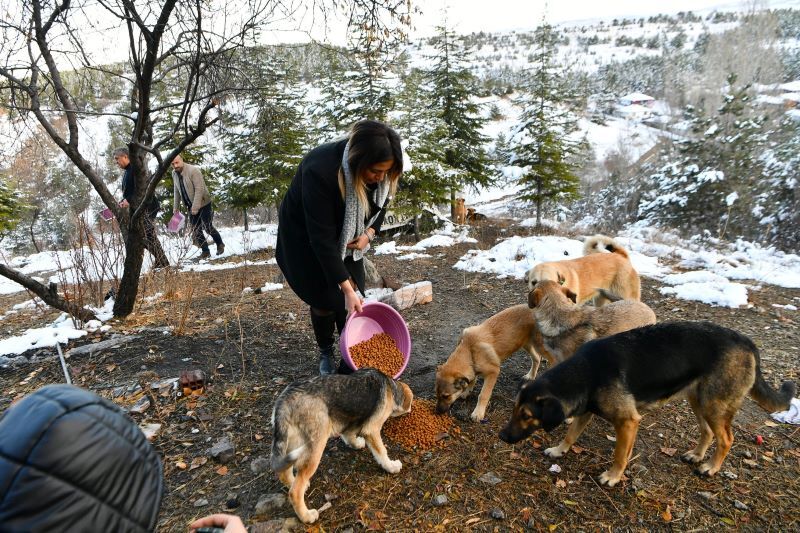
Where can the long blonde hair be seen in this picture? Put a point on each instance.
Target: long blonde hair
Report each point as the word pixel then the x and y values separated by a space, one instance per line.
pixel 372 142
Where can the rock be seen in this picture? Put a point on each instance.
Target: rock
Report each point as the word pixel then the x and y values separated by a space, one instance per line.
pixel 371 275
pixel 150 430
pixel 348 530
pixel 730 475
pixel 280 525
pixel 202 502
pixel 740 505
pixel 497 514
pixel 223 450
pixel 232 502
pixel 226 422
pixel 113 342
pixel 142 405
pixel 638 468
pixel 705 495
pixel 490 478
pixel 270 503
pixel 259 465
pixel 439 500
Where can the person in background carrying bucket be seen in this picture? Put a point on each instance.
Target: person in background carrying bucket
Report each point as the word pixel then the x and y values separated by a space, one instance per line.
pixel 332 210
pixel 190 188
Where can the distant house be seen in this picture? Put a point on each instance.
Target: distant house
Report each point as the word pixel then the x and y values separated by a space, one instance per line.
pixel 787 95
pixel 637 99
pixel 634 112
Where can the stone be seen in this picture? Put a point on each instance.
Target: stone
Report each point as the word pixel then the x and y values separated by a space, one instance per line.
pixel 142 405
pixel 371 275
pixel 490 478
pixel 270 503
pixel 439 500
pixel 497 514
pixel 705 495
pixel 223 450
pixel 259 465
pixel 740 505
pixel 202 502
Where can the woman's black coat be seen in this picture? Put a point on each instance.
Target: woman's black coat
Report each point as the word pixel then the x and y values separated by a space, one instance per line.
pixel 310 221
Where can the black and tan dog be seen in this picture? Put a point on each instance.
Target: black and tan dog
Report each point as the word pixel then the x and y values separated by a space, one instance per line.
pixel 480 352
pixel 620 376
pixel 310 411
pixel 566 326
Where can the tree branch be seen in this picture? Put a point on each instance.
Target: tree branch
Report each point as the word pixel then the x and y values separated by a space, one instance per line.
pixel 48 294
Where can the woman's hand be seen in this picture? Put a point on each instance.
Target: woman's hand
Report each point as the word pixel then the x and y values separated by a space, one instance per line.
pixel 230 523
pixel 352 301
pixel 359 242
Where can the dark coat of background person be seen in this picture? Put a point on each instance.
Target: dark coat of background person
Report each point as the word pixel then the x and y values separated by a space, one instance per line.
pixel 307 250
pixel 72 461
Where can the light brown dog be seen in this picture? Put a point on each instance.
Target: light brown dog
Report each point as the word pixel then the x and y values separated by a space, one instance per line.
pixel 595 270
pixel 480 352
pixel 460 211
pixel 565 325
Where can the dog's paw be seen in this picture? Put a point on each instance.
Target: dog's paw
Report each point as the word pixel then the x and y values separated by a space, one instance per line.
pixel 310 516
pixel 555 451
pixel 606 478
pixel 478 415
pixel 392 466
pixel 358 443
pixel 691 457
pixel 706 469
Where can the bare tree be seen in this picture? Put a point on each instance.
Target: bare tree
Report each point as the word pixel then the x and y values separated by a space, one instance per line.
pixel 179 67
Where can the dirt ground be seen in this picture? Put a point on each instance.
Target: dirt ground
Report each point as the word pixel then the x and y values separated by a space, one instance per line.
pixel 251 345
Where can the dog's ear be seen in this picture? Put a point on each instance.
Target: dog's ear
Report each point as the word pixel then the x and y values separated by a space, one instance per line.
pixel 561 278
pixel 408 396
pixel 569 294
pixel 552 413
pixel 461 383
pixel 534 297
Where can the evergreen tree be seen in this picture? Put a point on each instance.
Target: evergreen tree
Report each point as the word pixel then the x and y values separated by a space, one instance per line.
pixel 461 143
pixel 262 153
pixel 427 184
pixel 10 207
pixel 544 142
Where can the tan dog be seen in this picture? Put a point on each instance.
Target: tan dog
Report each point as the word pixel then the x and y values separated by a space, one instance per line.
pixel 480 352
pixel 460 211
pixel 584 275
pixel 565 326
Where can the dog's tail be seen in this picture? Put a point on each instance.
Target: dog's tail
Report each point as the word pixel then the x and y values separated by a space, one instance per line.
pixel 281 456
pixel 768 398
pixel 608 295
pixel 595 244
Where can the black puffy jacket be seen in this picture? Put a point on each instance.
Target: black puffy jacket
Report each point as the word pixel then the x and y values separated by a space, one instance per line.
pixel 72 461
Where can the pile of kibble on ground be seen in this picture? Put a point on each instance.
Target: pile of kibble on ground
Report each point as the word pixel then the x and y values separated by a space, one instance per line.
pixel 379 351
pixel 422 428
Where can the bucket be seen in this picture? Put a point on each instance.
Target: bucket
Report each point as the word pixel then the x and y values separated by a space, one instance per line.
pixel 375 317
pixel 176 222
pixel 107 214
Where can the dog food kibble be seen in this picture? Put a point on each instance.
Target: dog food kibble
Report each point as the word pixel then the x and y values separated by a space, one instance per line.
pixel 421 428
pixel 379 352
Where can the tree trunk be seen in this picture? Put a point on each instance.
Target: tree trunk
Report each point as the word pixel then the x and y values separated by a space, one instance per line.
pixel 244 211
pixel 48 294
pixel 33 237
pixel 416 228
pixel 132 268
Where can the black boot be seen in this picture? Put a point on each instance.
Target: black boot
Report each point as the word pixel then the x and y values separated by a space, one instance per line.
pixel 324 326
pixel 326 364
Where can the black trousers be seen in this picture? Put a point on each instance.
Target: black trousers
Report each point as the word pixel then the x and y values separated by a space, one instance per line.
pixel 200 222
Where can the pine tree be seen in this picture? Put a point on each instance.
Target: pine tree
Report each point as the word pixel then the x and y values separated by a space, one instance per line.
pixel 427 184
pixel 262 153
pixel 10 207
pixel 544 143
pixel 461 143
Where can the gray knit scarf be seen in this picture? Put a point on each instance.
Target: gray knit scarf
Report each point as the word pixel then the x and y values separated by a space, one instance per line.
pixel 353 211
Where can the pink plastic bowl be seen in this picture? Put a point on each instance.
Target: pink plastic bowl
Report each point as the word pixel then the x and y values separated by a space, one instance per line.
pixel 375 317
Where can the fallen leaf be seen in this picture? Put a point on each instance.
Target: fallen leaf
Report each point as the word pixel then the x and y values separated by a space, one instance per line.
pixel 472 521
pixel 570 502
pixel 560 483
pixel 197 462
pixel 181 465
pixel 578 449
pixel 669 451
pixel 726 520
pixel 612 439
pixel 222 471
pixel 770 423
pixel 666 516
pixel 258 436
pixel 111 368
pixel 552 527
